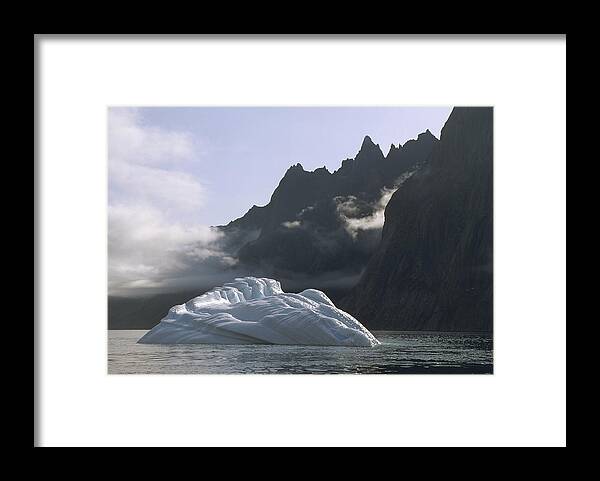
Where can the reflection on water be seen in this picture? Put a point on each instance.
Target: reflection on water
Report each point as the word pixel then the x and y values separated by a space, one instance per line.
pixel 399 352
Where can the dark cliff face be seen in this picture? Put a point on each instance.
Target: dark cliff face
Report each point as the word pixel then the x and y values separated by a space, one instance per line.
pixel 301 232
pixel 433 268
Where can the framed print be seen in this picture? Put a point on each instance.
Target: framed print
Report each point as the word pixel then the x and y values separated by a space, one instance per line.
pixel 300 241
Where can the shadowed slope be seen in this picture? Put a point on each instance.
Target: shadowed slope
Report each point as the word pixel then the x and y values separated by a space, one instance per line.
pixel 433 269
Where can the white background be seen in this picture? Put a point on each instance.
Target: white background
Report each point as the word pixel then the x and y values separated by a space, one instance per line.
pixel 522 404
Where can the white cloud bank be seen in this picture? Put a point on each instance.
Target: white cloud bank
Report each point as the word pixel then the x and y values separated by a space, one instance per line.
pixel 292 224
pixel 349 209
pixel 152 234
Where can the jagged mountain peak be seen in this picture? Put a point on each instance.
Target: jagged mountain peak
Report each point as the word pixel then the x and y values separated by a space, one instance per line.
pixel 295 169
pixel 426 134
pixel 299 169
pixel 322 170
pixel 369 149
pixel 367 141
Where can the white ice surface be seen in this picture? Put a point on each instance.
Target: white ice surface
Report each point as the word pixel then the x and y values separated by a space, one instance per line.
pixel 256 311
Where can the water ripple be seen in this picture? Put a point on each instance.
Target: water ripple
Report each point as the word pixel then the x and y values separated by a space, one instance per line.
pixel 399 353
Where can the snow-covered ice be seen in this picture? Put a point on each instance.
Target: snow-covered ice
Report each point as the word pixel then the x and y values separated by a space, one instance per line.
pixel 254 310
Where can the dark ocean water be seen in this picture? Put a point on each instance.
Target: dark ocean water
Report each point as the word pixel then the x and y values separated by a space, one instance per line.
pixel 399 353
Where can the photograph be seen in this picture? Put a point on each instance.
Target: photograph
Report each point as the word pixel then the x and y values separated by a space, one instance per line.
pixel 300 240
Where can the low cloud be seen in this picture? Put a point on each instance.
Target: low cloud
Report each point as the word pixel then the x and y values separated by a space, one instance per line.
pixel 153 239
pixel 292 225
pixel 147 249
pixel 358 215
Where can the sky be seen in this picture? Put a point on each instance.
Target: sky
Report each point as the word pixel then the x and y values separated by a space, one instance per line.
pixel 174 172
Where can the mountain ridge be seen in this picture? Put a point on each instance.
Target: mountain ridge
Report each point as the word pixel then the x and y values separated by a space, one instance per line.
pixel 308 202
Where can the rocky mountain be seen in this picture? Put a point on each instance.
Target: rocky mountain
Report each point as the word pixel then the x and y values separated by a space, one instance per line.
pixel 433 267
pixel 320 222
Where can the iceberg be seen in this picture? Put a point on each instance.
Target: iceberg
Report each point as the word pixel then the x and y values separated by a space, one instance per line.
pixel 254 310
